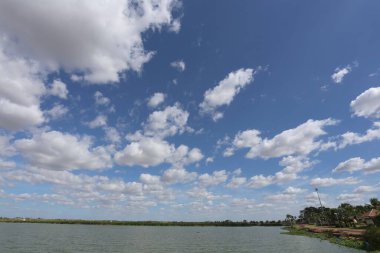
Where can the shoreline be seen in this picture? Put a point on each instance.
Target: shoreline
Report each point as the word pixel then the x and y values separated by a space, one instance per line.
pixel 145 223
pixel 336 236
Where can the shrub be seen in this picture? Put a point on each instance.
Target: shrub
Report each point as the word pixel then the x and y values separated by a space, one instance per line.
pixel 372 236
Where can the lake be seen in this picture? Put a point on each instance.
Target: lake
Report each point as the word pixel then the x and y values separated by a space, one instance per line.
pixel 24 237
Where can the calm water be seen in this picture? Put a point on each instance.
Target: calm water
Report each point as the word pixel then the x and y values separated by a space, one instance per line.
pixel 82 238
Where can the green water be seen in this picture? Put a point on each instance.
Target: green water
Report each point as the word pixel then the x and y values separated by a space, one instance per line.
pixel 86 238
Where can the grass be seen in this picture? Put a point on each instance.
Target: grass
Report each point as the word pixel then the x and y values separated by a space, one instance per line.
pixel 343 241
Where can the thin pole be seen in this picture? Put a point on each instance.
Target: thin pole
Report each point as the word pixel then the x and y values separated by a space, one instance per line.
pixel 320 202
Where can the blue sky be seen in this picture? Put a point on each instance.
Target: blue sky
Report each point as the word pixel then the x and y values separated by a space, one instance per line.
pixel 187 110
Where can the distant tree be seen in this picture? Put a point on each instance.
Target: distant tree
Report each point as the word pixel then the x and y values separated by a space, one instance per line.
pixel 375 203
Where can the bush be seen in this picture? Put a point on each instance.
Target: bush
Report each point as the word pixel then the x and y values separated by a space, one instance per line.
pixel 377 220
pixel 372 237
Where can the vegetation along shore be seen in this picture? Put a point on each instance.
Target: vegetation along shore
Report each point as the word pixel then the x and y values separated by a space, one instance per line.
pixel 347 225
pixel 226 223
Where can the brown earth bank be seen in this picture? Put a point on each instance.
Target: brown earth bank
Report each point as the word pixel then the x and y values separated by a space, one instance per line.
pixel 354 233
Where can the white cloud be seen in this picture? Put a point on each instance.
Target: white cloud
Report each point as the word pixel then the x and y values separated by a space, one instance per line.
pixel 20 91
pixel 297 141
pixel 61 151
pixel 156 99
pixel 293 190
pixel 359 164
pixel 149 151
pixel 100 99
pixel 149 179
pixel 82 190
pixel 168 122
pixel 179 65
pixel 57 111
pixel 59 89
pixel 372 166
pixel 224 93
pixel 236 182
pixel 350 198
pixel 209 160
pixel 282 197
pixel 217 177
pixel 145 152
pixel 94 40
pixel 292 166
pixel 366 188
pixel 333 181
pixel 243 202
pixel 6 164
pixel 112 134
pixel 350 138
pixel 183 156
pixel 99 121
pixel 288 195
pixel 202 193
pixel 350 165
pixel 178 175
pixel 260 181
pixel 340 73
pixel 6 148
pixel 367 104
pixel 148 147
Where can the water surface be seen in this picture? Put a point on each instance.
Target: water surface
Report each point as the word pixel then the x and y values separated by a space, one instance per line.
pixel 25 237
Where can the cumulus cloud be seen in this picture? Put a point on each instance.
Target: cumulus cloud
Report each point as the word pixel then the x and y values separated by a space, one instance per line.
pixel 366 188
pixel 112 134
pixel 340 73
pixel 297 141
pixel 99 121
pixel 217 177
pixel 293 190
pixel 224 93
pixel 333 181
pixel 350 165
pixel 288 195
pixel 82 190
pixel 149 151
pixel 351 138
pixel 59 89
pixel 367 104
pixel 62 151
pixel 292 166
pixel 57 111
pixel 145 152
pixel 349 198
pixel 182 155
pixel 178 175
pixel 359 164
pixel 149 179
pixel 100 99
pixel 179 65
pixel 168 122
pixel 6 148
pixel 20 91
pixel 94 40
pixel 236 182
pixel 156 99
pixel 149 147
pixel 202 193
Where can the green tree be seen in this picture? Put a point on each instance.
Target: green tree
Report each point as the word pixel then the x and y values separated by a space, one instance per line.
pixel 375 203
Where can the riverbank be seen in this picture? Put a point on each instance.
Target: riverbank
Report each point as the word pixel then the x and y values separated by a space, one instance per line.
pixel 226 223
pixel 352 238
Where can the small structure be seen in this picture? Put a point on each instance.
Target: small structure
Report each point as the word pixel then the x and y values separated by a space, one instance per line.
pixel 369 216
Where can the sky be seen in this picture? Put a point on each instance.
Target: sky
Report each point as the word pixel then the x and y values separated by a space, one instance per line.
pixel 187 110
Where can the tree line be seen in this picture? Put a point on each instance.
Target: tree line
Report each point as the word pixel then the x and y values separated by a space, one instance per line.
pixel 345 215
